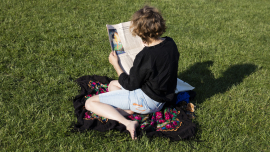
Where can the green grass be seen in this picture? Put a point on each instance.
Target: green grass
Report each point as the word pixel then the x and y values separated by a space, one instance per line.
pixel 45 45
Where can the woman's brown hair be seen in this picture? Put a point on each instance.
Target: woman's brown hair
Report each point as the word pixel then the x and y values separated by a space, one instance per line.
pixel 148 24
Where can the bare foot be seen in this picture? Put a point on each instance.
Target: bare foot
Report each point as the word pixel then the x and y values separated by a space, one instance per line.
pixel 131 127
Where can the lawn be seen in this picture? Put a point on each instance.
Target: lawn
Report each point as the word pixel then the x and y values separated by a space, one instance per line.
pixel 45 45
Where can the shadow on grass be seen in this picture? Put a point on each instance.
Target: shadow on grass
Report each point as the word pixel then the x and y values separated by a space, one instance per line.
pixel 199 76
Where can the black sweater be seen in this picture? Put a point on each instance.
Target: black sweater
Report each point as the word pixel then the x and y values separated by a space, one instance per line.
pixel 154 71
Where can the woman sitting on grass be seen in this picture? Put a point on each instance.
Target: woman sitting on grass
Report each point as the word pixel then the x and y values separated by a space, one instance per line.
pixel 153 77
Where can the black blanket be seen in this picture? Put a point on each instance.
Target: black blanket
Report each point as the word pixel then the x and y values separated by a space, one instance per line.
pixel 171 122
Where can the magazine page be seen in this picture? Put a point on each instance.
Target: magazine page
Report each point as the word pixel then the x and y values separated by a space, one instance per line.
pixel 126 62
pixel 129 41
pixel 121 39
pixel 115 33
pixel 124 44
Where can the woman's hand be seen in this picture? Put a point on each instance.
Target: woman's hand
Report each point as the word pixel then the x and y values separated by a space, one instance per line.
pixel 113 58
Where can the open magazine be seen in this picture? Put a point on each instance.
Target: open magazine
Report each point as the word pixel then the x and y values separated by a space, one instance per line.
pixel 128 46
pixel 124 44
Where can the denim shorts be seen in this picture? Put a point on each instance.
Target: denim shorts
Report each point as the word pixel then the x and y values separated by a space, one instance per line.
pixel 135 100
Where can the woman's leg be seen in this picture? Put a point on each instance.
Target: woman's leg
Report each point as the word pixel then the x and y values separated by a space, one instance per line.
pixel 107 111
pixel 125 112
pixel 113 86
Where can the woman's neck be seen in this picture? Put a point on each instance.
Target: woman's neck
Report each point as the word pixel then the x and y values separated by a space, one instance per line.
pixel 154 42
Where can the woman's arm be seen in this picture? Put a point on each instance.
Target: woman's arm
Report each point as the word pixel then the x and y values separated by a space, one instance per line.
pixel 137 73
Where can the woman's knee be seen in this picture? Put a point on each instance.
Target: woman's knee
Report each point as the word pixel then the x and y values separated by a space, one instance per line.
pixel 90 101
pixel 113 85
pixel 110 86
